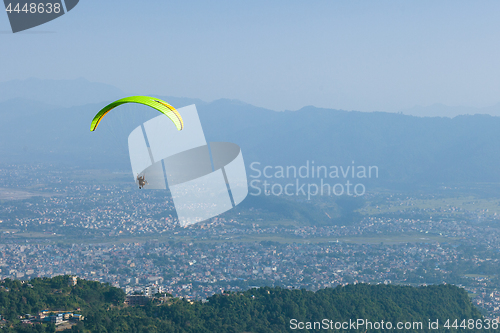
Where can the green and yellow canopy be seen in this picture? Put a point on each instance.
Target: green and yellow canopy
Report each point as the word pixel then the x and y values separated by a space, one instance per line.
pixel 155 103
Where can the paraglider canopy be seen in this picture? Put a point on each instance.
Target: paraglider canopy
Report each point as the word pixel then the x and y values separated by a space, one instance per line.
pixel 155 103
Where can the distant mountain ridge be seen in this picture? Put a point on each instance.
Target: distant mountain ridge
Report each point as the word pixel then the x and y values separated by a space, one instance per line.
pixel 59 93
pixel 406 149
pixel 441 110
pixel 69 93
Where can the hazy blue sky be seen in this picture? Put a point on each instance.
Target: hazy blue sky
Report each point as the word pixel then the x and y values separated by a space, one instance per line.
pixel 352 55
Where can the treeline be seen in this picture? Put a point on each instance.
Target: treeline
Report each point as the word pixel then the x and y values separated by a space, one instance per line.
pixel 22 298
pixel 259 310
pixel 272 309
pixel 30 297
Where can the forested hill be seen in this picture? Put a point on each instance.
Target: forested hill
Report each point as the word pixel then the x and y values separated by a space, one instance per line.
pixel 256 310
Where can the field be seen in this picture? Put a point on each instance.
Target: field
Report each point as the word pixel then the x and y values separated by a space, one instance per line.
pixel 14 194
pixel 284 239
pixel 449 206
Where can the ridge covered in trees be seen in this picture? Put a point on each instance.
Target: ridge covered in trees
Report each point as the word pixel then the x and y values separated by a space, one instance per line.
pixel 255 310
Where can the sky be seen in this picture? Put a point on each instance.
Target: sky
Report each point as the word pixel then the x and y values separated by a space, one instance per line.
pixel 281 55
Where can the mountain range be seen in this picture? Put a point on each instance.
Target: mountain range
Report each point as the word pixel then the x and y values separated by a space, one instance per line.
pixel 49 120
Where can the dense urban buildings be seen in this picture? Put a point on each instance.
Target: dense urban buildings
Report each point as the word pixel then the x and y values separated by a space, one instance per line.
pixel 111 233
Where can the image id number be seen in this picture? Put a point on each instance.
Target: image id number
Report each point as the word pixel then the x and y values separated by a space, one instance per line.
pixel 35 8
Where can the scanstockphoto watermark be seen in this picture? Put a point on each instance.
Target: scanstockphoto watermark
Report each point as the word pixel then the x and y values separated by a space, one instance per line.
pixel 310 179
pixel 368 325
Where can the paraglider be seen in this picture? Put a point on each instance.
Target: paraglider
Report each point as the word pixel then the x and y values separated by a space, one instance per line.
pixel 155 103
pixel 142 181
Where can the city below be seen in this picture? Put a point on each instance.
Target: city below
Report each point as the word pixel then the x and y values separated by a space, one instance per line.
pixel 80 223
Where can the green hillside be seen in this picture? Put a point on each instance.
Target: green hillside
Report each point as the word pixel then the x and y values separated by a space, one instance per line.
pixel 256 310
